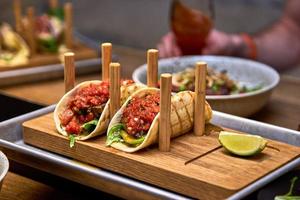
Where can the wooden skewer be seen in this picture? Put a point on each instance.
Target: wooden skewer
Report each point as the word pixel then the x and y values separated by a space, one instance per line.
pixel 114 88
pixel 200 86
pixel 106 49
pixel 31 30
pixel 152 67
pixel 18 15
pixel 165 112
pixel 68 27
pixel 53 4
pixel 204 154
pixel 69 71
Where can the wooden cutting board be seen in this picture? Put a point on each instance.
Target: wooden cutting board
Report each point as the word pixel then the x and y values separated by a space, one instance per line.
pixel 81 52
pixel 216 175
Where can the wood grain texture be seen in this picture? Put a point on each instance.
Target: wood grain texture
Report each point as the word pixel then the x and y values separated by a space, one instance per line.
pixel 69 71
pixel 218 173
pixel 81 51
pixel 53 4
pixel 114 88
pixel 165 112
pixel 106 57
pixel 68 25
pixel 200 86
pixel 17 8
pixel 152 67
pixel 44 187
pixel 30 189
pixel 31 30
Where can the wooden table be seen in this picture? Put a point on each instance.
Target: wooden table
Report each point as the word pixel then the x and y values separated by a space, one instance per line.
pixel 26 183
pixel 283 110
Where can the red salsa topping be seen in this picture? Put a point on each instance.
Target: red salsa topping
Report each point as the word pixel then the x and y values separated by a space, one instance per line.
pixel 139 114
pixel 87 104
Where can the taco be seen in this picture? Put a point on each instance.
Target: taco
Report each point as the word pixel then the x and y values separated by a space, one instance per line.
pixel 136 125
pixel 83 112
pixel 13 49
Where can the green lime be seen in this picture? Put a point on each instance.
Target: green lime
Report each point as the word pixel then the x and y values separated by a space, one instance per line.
pixel 242 144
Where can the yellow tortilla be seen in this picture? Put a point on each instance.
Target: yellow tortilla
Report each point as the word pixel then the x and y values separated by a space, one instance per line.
pixel 103 122
pixel 182 118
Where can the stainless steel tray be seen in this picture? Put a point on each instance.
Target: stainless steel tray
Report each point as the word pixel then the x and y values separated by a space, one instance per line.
pixel 11 142
pixel 46 72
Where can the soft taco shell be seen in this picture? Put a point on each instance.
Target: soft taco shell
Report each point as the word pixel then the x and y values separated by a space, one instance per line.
pixel 103 122
pixel 182 118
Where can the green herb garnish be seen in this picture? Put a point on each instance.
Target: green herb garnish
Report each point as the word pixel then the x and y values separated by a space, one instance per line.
pixel 289 195
pixel 90 126
pixel 253 88
pixel 114 134
pixel 72 140
pixel 118 134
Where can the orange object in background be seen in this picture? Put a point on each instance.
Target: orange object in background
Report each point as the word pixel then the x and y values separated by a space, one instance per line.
pixel 191 28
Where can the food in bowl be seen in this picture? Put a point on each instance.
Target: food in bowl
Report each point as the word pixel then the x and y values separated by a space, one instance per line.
pixel 245 72
pixel 217 82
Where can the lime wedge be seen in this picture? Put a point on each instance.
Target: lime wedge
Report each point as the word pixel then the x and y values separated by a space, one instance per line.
pixel 242 144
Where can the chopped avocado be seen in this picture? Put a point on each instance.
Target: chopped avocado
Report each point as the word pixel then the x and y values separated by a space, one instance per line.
pixel 72 140
pixel 131 140
pixel 90 126
pixel 118 134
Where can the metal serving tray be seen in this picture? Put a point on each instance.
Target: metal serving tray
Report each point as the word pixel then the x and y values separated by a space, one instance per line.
pixel 46 72
pixel 11 142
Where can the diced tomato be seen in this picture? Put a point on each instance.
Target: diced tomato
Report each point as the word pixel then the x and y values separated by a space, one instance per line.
pixel 89 117
pixel 73 127
pixel 78 109
pixel 66 117
pixel 140 112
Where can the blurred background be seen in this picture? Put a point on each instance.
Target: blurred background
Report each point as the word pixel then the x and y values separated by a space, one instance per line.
pixel 141 23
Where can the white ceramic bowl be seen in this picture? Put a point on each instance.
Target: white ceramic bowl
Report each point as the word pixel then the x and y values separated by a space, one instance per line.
pixel 245 72
pixel 4 165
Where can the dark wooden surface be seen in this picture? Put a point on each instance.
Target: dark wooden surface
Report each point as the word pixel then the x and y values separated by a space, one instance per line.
pixel 26 183
pixel 283 110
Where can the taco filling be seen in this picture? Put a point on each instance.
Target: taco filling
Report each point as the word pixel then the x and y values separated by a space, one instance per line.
pixel 136 120
pixel 84 109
